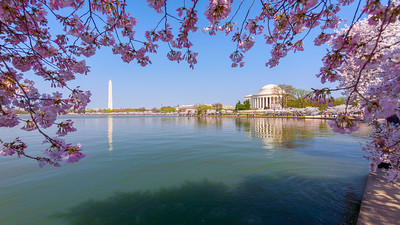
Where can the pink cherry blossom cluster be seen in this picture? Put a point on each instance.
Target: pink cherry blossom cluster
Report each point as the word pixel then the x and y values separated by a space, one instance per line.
pixel 253 27
pixel 385 147
pixel 191 58
pixel 157 5
pixel 165 34
pixel 246 44
pixel 59 151
pixel 65 127
pixel 212 29
pixel 218 10
pixel 9 148
pixel 343 124
pixel 188 25
pixel 237 58
pixel 59 4
pixel 321 96
pixel 175 56
pixel 215 12
pixel 8 119
pixel 322 38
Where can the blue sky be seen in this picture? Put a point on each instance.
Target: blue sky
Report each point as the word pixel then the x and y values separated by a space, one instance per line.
pixel 165 83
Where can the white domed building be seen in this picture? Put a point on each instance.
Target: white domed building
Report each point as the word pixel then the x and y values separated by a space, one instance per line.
pixel 268 97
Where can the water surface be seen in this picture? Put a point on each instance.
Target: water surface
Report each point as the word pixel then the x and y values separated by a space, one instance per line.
pixel 187 170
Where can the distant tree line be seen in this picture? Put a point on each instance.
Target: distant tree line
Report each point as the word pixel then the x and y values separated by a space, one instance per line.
pixel 300 98
pixel 201 109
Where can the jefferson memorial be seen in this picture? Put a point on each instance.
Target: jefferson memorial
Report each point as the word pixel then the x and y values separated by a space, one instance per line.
pixel 268 97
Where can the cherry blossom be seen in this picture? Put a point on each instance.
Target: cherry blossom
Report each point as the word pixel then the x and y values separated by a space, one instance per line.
pixel 364 60
pixel 218 10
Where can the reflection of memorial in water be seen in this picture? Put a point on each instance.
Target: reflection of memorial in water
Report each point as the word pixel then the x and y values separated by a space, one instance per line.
pixel 281 133
pixel 269 131
pixel 110 133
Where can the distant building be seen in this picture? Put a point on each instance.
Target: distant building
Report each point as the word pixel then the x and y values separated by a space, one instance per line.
pixel 228 107
pixel 268 97
pixel 185 107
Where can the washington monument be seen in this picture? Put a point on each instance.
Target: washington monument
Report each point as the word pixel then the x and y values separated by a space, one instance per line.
pixel 110 105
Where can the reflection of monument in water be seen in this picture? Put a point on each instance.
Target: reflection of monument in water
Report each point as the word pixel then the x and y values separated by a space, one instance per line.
pixel 110 133
pixel 110 119
pixel 277 133
pixel 110 103
pixel 269 131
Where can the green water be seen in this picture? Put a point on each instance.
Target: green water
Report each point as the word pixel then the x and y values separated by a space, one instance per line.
pixel 187 170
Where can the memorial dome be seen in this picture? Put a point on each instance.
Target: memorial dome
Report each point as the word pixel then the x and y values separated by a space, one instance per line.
pixel 270 89
pixel 268 97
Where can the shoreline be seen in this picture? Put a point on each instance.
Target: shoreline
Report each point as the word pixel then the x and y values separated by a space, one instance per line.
pixel 212 116
pixel 380 203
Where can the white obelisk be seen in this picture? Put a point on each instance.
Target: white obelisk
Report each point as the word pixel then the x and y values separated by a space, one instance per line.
pixel 110 105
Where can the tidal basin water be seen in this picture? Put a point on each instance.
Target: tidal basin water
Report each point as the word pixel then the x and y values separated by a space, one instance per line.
pixel 187 170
